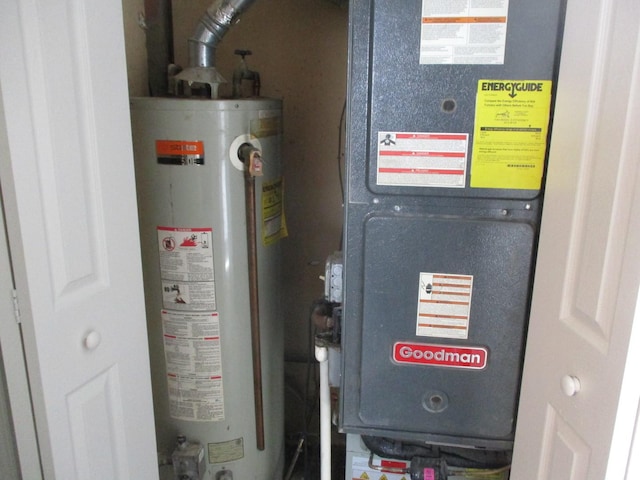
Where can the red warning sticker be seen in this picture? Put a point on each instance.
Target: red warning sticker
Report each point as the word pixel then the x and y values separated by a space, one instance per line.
pixel 474 358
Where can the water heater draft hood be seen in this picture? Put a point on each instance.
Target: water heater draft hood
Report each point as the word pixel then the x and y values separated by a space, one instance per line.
pixel 211 28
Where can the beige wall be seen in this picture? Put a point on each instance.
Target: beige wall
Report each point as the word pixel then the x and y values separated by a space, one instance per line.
pixel 135 47
pixel 300 49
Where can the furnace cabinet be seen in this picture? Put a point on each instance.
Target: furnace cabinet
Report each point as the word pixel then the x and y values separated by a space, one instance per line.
pixel 448 121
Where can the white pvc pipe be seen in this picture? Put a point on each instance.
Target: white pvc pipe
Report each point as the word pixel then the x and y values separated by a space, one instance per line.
pixel 322 356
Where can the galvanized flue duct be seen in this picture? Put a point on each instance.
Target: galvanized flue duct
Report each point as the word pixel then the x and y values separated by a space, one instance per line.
pixel 212 27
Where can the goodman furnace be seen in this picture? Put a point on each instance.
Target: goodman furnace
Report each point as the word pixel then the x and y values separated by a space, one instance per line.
pixel 449 113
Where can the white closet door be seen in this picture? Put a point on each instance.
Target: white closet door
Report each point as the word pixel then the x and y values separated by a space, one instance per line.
pixel 69 193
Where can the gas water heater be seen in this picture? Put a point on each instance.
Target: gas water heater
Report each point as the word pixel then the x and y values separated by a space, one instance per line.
pixel 211 271
pixel 449 114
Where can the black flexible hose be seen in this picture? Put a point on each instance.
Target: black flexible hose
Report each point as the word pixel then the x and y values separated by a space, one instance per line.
pixel 454 456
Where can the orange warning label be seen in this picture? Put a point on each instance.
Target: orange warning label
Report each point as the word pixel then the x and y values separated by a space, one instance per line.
pixel 180 152
pixel 179 147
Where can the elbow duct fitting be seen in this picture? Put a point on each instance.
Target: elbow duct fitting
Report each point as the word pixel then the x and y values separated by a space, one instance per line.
pixel 211 28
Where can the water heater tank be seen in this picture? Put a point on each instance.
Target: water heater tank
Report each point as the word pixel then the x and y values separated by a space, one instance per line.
pixel 193 226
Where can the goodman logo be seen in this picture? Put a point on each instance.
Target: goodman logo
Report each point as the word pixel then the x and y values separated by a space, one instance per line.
pixel 474 358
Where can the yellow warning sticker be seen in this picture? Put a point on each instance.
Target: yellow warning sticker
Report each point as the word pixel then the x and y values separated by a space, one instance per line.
pixel 274 224
pixel 510 133
pixel 268 124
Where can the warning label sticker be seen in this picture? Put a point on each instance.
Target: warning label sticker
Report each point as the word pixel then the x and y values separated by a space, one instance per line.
pixel 186 268
pixel 510 133
pixel 382 469
pixel 463 32
pixel 268 123
pixel 444 304
pixel 229 451
pixel 422 159
pixel 194 365
pixel 274 225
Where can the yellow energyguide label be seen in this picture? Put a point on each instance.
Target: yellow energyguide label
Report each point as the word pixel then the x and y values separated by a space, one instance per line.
pixel 510 133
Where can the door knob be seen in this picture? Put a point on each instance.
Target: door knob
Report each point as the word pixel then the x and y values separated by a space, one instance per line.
pixel 92 340
pixel 570 385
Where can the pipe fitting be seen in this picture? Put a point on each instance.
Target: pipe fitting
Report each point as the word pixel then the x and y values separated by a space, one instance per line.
pixel 322 354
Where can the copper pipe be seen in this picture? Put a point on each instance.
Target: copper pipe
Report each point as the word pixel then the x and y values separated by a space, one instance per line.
pixel 252 252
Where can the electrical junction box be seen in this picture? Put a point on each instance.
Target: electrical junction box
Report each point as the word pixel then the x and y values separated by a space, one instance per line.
pixel 449 113
pixel 333 278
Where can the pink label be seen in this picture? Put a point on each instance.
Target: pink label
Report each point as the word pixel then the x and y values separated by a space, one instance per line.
pixel 429 474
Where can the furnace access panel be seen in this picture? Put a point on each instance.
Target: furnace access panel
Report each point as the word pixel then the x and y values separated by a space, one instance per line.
pixel 449 111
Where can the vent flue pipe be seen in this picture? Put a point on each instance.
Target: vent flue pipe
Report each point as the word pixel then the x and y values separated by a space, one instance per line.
pixel 212 27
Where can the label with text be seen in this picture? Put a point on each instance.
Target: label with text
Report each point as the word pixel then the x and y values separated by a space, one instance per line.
pixel 474 358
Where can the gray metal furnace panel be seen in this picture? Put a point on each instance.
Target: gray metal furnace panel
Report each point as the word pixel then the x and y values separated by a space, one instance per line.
pixel 394 233
pixel 476 403
pixel 389 90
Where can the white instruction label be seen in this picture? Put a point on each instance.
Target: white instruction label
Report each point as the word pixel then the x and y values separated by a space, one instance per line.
pixel 421 159
pixel 444 304
pixel 224 452
pixel 186 268
pixel 194 365
pixel 463 32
